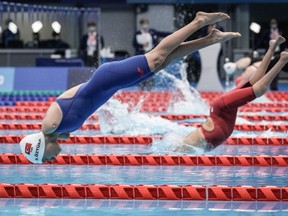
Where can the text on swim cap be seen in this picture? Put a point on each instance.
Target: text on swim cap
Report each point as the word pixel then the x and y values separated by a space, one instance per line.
pixel 37 149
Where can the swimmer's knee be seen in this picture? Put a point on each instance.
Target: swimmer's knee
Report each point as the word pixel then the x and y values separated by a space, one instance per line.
pixel 155 60
pixel 259 90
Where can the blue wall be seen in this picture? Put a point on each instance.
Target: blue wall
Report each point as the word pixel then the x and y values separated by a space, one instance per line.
pixel 42 78
pixel 7 76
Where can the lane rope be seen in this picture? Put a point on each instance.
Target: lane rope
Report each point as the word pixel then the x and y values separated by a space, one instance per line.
pixel 172 117
pixel 144 192
pixel 96 126
pixel 145 140
pixel 40 109
pixel 156 160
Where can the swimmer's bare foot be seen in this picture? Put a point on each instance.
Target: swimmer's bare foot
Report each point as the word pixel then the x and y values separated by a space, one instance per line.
pixel 284 56
pixel 219 36
pixel 210 18
pixel 275 43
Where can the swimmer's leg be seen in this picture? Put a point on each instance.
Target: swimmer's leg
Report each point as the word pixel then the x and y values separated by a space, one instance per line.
pixel 266 60
pixel 157 56
pixel 186 48
pixel 245 76
pixel 261 86
pixel 243 63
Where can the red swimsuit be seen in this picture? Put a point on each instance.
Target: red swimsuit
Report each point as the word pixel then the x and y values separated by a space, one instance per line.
pixel 223 113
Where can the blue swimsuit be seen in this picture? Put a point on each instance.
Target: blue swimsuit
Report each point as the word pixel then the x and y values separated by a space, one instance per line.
pixel 105 82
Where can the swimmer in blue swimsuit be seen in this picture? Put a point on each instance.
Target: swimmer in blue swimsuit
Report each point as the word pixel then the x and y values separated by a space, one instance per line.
pixel 74 106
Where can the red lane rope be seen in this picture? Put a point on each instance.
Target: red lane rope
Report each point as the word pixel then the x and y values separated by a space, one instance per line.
pixel 29 109
pixel 144 109
pixel 37 126
pixel 156 160
pixel 96 126
pixel 13 139
pixel 145 140
pixel 147 192
pixel 275 96
pixel 172 117
pixel 250 127
pixel 177 117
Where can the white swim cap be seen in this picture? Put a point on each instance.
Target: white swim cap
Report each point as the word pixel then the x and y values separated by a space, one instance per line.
pixel 230 68
pixel 32 147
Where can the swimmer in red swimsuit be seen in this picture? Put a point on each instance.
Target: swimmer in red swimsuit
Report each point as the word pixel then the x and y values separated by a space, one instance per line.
pixel 223 112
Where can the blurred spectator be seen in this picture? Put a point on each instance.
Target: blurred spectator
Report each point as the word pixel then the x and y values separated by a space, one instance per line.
pixel 89 45
pixel 59 43
pixel 146 39
pixel 55 43
pixel 11 35
pixel 271 33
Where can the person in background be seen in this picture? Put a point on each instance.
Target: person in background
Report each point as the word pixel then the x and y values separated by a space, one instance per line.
pixel 271 33
pixel 8 35
pixel 146 38
pixel 89 45
pixel 144 41
pixel 58 42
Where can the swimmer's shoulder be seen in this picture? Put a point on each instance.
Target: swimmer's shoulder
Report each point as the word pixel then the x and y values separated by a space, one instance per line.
pixel 52 119
pixel 69 93
pixel 54 115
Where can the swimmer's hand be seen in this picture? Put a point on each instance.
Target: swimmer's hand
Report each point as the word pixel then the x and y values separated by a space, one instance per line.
pixel 64 136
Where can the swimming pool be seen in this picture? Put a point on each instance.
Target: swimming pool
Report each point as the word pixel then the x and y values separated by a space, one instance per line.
pixel 123 174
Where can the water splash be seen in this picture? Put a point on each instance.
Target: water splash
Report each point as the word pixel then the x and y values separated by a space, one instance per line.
pixel 185 99
pixel 115 118
pixel 170 144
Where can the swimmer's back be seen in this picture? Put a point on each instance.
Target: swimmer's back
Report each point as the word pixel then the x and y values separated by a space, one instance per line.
pixel 88 98
pixel 105 82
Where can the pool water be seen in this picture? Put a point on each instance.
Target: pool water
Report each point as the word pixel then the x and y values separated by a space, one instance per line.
pixel 58 207
pixel 146 174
